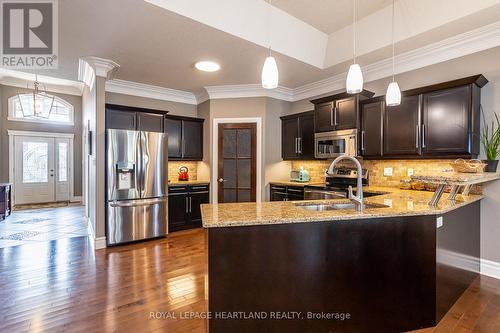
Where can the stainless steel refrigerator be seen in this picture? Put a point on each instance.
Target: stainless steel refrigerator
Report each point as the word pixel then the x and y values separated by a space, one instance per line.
pixel 137 186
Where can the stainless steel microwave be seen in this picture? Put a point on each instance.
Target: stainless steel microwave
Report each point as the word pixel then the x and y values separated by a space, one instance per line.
pixel 336 143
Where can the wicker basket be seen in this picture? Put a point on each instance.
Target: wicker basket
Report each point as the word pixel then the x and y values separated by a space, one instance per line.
pixel 469 166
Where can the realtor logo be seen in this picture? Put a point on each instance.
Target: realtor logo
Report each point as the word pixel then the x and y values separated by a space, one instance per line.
pixel 29 34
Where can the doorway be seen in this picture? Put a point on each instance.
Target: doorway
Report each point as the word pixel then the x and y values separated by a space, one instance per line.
pixel 41 168
pixel 237 162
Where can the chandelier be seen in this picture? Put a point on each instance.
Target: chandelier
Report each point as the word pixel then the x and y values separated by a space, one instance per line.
pixel 37 104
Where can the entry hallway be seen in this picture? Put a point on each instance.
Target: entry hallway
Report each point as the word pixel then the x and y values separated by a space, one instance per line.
pixel 63 285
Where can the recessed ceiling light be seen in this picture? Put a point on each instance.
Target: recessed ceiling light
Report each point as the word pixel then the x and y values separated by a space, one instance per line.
pixel 207 66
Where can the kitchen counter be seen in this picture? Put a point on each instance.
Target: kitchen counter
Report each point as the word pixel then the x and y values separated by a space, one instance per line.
pixel 189 182
pixel 455 178
pixel 400 202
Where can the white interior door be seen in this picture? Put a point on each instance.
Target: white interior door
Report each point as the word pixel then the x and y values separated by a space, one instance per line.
pixel 34 169
pixel 62 169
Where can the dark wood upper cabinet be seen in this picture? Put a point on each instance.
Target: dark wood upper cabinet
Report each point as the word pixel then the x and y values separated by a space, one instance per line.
pixel 297 136
pixel 437 121
pixel 345 113
pixel 372 114
pixel 150 122
pixel 185 138
pixel 173 127
pixel 402 128
pixel 338 112
pixel 119 119
pixel 192 138
pixel 446 119
pixel 134 118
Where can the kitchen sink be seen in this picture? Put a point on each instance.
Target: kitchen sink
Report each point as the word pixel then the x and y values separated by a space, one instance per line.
pixel 337 206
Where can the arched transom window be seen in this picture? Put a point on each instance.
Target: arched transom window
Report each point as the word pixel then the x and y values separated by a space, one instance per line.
pixel 62 112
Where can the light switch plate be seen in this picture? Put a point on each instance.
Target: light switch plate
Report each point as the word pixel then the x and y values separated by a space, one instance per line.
pixel 439 221
pixel 387 171
pixel 409 172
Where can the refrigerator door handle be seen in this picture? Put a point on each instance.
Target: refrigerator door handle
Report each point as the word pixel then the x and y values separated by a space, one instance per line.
pixel 144 161
pixel 138 162
pixel 135 203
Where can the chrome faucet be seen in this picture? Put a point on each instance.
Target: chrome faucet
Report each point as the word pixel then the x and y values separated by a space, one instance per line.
pixel 358 198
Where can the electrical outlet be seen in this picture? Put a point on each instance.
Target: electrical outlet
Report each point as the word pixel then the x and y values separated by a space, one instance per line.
pixel 439 221
pixel 409 172
pixel 387 171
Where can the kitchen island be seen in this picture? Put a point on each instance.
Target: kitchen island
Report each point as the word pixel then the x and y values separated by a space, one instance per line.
pixel 398 266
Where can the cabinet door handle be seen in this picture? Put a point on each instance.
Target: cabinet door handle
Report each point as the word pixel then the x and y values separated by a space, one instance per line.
pixel 190 204
pixel 299 145
pixel 331 115
pixel 363 140
pixel 187 207
pixel 296 145
pixel 423 136
pixel 417 136
pixel 335 109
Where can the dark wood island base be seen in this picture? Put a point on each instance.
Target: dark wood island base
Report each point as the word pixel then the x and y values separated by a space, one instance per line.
pixel 386 274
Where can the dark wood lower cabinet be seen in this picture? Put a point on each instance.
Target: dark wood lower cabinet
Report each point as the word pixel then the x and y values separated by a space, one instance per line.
pixel 184 206
pixel 286 193
pixel 342 268
pixel 5 200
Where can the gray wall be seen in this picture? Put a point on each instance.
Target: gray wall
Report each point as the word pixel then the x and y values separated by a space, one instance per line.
pixel 174 108
pixel 5 93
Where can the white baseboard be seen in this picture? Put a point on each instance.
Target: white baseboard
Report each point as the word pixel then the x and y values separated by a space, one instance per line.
pixel 458 260
pixel 98 242
pixel 490 268
pixel 76 199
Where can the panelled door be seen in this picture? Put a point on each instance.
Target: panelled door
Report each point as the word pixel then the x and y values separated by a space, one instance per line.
pixel 237 162
pixel 41 169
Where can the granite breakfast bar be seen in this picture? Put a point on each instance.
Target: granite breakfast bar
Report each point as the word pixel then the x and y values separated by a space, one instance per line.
pixel 396 267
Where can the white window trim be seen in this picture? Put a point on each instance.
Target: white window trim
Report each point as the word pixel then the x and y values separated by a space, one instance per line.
pixel 12 117
pixel 70 136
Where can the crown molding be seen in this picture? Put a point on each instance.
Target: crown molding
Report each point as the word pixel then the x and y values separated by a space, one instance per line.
pixel 249 90
pixel 202 96
pixel 470 42
pixel 102 67
pixel 150 91
pixel 19 79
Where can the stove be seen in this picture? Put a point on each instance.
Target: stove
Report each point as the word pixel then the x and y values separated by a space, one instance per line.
pixel 336 184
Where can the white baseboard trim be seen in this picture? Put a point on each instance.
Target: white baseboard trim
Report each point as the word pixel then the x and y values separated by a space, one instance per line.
pixel 490 268
pixel 100 243
pixel 458 260
pixel 76 199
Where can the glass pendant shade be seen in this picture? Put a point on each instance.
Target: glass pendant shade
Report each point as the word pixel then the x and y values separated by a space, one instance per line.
pixel 270 75
pixel 393 94
pixel 354 82
pixel 36 105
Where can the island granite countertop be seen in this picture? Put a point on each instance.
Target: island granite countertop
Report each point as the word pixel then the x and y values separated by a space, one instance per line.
pixel 399 202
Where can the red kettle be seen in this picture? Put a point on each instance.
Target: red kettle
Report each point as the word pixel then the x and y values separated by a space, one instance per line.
pixel 183 173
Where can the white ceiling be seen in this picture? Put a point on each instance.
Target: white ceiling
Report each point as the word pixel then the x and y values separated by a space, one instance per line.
pixel 159 47
pixel 329 15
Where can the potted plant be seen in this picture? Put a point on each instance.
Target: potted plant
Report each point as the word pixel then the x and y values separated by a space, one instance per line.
pixel 490 138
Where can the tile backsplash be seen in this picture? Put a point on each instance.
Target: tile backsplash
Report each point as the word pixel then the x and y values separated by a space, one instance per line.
pixel 376 169
pixel 173 169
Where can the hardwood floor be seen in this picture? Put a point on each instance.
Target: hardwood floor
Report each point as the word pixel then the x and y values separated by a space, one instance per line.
pixel 63 285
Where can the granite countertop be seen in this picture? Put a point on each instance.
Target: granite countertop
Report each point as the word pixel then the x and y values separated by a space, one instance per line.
pixel 456 178
pixel 298 184
pixel 188 182
pixel 400 202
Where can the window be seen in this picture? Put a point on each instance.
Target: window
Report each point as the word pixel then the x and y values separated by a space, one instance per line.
pixel 35 162
pixel 62 111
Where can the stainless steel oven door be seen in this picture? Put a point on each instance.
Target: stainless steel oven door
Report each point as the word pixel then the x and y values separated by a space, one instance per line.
pixel 336 143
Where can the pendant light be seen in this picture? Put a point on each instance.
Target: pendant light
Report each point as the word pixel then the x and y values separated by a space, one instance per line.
pixel 270 75
pixel 37 104
pixel 393 94
pixel 354 81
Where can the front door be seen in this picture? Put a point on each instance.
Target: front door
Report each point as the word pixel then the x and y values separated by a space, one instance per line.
pixel 237 162
pixel 41 169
